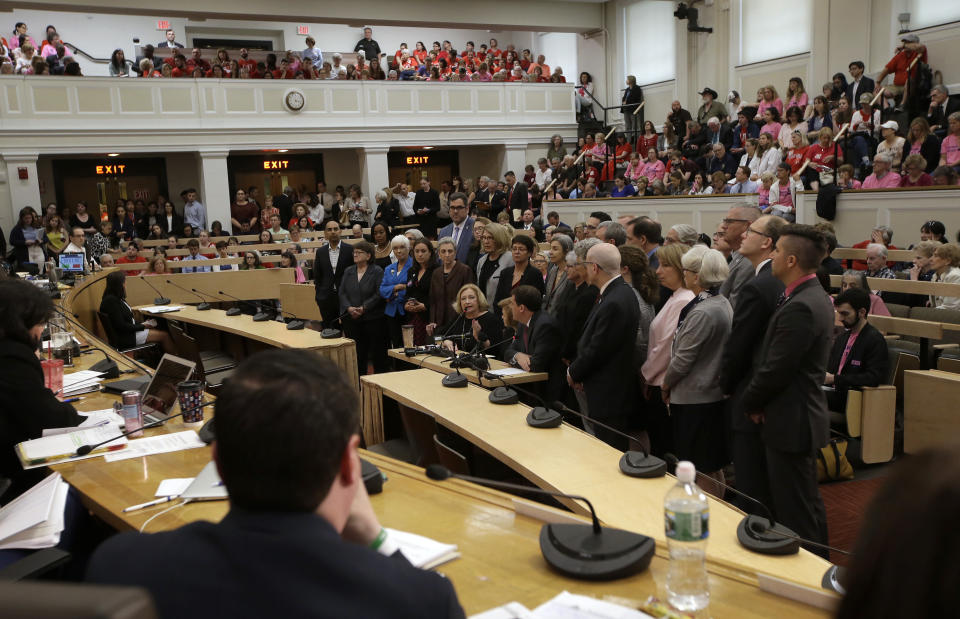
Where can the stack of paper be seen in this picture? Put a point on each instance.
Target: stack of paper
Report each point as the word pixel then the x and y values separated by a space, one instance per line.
pixel 82 381
pixel 105 417
pixel 423 552
pixel 160 309
pixel 565 606
pixel 161 444
pixel 63 447
pixel 35 518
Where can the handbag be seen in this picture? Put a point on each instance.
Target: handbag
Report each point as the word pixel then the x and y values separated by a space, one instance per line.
pixel 832 463
pixel 827 200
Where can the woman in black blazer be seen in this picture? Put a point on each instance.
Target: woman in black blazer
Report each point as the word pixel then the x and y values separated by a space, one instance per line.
pixel 360 299
pixel 169 221
pixel 521 273
pixel 129 332
pixel 27 407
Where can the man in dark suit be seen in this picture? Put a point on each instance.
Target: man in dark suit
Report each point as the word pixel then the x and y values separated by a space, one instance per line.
pixel 733 227
pixel 301 538
pixel 329 263
pixel 755 305
pixel 632 98
pixel 529 222
pixel 516 194
pixel 859 356
pixel 426 205
pixel 860 83
pixel 538 344
pixel 171 41
pixel 284 204
pixel 784 395
pixel 941 106
pixel 460 228
pixel 604 368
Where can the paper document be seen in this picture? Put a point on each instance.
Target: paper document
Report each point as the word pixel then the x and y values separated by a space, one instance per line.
pixel 161 309
pixel 29 509
pixel 174 486
pixel 423 552
pixel 92 419
pixel 80 376
pixel 47 533
pixel 506 372
pixel 570 606
pixel 513 610
pixel 62 447
pixel 163 443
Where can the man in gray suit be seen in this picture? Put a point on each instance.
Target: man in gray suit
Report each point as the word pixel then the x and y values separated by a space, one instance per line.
pixel 738 219
pixel 783 395
pixel 460 228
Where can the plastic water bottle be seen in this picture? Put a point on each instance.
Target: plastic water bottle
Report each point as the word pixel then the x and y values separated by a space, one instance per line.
pixel 687 520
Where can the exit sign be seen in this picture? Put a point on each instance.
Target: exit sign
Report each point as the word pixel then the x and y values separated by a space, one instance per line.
pixel 303 29
pixel 163 25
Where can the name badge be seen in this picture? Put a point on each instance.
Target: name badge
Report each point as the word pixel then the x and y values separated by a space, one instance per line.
pixel 854 362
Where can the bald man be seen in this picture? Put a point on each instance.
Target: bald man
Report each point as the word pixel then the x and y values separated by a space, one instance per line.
pixel 738 219
pixel 604 368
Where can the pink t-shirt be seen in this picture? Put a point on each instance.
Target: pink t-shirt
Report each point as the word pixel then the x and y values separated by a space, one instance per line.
pixel 950 149
pixel 662 330
pixel 652 171
pixel 890 179
pixel 800 102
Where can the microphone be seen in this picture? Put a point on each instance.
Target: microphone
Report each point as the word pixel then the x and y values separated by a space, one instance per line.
pixel 108 367
pixel 761 534
pixel 294 325
pixel 583 551
pixel 86 449
pixel 202 306
pixel 632 463
pixel 235 311
pixel 160 300
pixel 330 333
pixel 260 316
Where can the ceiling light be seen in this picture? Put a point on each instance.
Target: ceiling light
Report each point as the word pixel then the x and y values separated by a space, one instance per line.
pixel 427 148
pixel 113 154
pixel 283 150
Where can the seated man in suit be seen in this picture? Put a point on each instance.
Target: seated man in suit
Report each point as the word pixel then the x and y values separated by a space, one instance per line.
pixel 301 538
pixel 538 344
pixel 859 356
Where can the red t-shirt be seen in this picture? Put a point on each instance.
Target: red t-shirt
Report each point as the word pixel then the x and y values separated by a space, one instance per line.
pixel 925 180
pixel 137 260
pixel 795 158
pixel 592 174
pixel 899 63
pixel 822 156
pixel 249 62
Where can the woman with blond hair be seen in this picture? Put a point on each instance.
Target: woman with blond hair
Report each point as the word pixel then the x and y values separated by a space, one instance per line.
pixel 946 266
pixel 473 326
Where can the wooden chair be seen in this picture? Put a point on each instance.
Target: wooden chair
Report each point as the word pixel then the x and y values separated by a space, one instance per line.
pixel 187 347
pixel 451 458
pixel 149 351
pixel 871 418
pixel 418 446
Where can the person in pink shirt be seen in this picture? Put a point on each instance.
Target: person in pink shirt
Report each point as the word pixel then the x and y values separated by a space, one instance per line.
pixel 950 147
pixel 483 75
pixel 882 177
pixel 771 116
pixel 796 95
pixel 634 171
pixel 770 100
pixel 846 178
pixel 652 168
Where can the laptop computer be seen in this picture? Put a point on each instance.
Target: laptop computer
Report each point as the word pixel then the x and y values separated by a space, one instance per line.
pixel 206 486
pixel 159 393
pixel 72 262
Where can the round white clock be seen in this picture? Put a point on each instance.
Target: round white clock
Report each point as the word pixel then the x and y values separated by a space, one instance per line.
pixel 294 100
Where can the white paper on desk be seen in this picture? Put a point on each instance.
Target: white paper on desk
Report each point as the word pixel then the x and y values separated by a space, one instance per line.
pixel 571 606
pixel 29 509
pixel 513 610
pixel 160 309
pixel 421 551
pixel 163 443
pixel 506 372
pixel 92 419
pixel 59 447
pixel 47 533
pixel 174 486
pixel 80 376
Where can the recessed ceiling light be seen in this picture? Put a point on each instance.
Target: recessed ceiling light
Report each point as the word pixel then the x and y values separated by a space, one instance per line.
pixel 113 154
pixel 427 148
pixel 283 150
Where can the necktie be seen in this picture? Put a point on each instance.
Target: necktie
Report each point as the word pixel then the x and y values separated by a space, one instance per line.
pixel 526 339
pixel 456 236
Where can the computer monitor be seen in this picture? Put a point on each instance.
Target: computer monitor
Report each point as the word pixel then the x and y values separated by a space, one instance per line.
pixel 72 262
pixel 161 394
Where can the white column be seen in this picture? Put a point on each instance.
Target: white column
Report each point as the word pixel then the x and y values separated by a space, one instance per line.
pixel 21 193
pixel 515 159
pixel 374 173
pixel 215 187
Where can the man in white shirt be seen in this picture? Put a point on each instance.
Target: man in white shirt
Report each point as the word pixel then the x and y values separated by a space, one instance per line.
pixel 278 232
pixel 312 54
pixel 460 228
pixel 337 70
pixel 77 245
pixel 742 182
pixel 405 197
pixel 193 246
pixel 193 211
pixel 544 174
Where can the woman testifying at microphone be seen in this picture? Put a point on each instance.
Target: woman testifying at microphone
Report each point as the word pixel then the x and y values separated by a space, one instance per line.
pixel 129 332
pixel 475 328
pixel 27 407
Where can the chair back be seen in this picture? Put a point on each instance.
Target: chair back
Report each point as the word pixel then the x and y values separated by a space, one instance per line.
pixel 451 458
pixel 108 329
pixel 420 428
pixel 61 600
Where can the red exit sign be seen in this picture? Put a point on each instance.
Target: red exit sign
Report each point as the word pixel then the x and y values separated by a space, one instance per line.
pixel 163 25
pixel 303 29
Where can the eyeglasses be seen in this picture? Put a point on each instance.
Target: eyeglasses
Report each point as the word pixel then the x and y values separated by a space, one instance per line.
pixel 589 227
pixel 690 271
pixel 749 230
pixel 730 220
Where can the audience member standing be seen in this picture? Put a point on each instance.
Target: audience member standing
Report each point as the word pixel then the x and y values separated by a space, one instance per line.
pixel 784 393
pixel 446 282
pixel 604 364
pixel 495 243
pixel 194 213
pixel 691 386
pixel 756 303
pixel 734 225
pixel 393 288
pixel 417 305
pixel 360 300
pixel 460 228
pixel 329 264
pixel 426 204
pixel 576 305
pixel 522 272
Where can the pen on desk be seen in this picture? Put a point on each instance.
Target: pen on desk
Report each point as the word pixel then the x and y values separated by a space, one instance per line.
pixel 149 504
pixel 68 401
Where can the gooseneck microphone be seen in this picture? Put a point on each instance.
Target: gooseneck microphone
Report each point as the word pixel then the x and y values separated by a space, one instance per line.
pixel 202 306
pixel 294 325
pixel 235 311
pixel 160 300
pixel 260 316
pixel 583 551
pixel 330 333
pixel 86 449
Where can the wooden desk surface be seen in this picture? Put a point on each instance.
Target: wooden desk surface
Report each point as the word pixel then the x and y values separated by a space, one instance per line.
pixel 437 365
pixel 545 457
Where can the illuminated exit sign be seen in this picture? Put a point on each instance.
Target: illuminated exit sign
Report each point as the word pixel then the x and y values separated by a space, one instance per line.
pixel 418 160
pixel 163 25
pixel 276 164
pixel 302 30
pixel 111 169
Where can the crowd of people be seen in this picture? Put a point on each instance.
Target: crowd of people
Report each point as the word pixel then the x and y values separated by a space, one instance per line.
pixel 442 62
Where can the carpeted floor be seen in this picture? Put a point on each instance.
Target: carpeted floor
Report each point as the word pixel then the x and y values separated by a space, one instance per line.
pixel 846 502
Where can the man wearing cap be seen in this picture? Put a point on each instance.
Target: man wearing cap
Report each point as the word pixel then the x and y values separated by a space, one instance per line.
pixel 711 107
pixel 632 97
pixel 909 49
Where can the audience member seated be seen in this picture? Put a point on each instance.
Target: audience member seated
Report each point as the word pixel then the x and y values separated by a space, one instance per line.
pixel 859 355
pixel 882 235
pixel 950 147
pixel 742 182
pixel 913 172
pixel 132 257
pixel 883 177
pixel 946 266
pixel 852 279
pixel 783 194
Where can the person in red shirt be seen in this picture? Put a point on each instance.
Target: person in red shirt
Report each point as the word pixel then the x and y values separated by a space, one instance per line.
pixel 796 154
pixel 180 67
pixel 880 234
pixel 420 52
pixel 915 175
pixel 821 156
pixel 516 75
pixel 284 72
pixel 526 59
pixel 909 50
pixel 493 50
pixel 469 49
pixel 132 257
pixel 196 60
pixel 245 60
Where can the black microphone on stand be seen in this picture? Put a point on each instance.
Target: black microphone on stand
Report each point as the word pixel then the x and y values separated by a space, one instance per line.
pixel 86 449
pixel 330 333
pixel 160 300
pixel 294 325
pixel 583 551
pixel 202 306
pixel 235 311
pixel 260 316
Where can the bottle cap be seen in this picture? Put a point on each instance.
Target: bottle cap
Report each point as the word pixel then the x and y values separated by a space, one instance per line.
pixel 686 472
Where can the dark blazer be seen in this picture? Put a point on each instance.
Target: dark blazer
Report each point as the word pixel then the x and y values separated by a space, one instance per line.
pixel 631 98
pixel 270 564
pixel 866 86
pixel 284 204
pixel 604 362
pixel 753 131
pixel 867 364
pixel 537 230
pixel 466 238
pixel 930 150
pixel 460 331
pixel 443 291
pixel 517 199
pixel 530 277
pixel 790 369
pixel 122 321
pixel 543 340
pixel 574 309
pixel 18 243
pixel 326 280
pixel 363 292
pixel 388 212
pixel 755 305
pixel 939 117
pixel 498 202
pixel 129 227
pixel 429 200
pixel 26 408
pixel 177 227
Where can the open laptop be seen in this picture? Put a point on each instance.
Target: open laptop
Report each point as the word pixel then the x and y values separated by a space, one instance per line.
pixel 206 486
pixel 159 393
